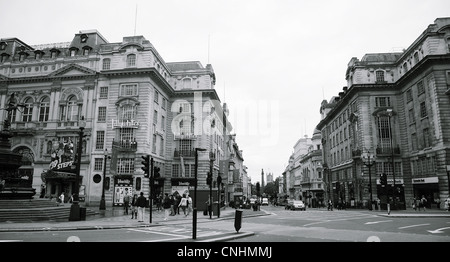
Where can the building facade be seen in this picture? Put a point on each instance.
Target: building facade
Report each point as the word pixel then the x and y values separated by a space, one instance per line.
pixel 130 102
pixel 395 108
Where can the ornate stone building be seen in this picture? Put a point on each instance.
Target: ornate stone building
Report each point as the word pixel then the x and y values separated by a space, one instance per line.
pixel 396 107
pixel 130 102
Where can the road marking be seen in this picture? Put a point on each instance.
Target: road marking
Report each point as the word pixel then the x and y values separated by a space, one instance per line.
pixel 376 222
pixel 341 219
pixel 438 230
pixel 156 232
pixel 414 226
pixel 373 239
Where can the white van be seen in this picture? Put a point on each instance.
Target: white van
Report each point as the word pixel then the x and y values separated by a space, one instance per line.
pixel 265 201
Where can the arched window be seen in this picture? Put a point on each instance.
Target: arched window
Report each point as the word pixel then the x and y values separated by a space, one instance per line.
pixel 131 60
pixel 27 114
pixel 70 111
pixel 44 109
pixel 106 64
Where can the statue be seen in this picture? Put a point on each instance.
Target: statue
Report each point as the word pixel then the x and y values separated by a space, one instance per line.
pixel 12 105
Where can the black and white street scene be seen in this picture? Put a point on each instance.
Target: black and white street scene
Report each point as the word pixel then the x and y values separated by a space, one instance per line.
pixel 245 123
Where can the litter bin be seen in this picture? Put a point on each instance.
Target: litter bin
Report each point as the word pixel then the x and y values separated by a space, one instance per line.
pixel 82 213
pixel 215 208
pixel 238 220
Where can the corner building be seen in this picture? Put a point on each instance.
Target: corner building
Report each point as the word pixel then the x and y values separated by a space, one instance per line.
pixel 396 108
pixel 132 104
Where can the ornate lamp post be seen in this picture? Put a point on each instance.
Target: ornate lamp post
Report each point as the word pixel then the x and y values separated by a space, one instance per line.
pixel 368 160
pixel 75 208
pixel 194 206
pixel 102 201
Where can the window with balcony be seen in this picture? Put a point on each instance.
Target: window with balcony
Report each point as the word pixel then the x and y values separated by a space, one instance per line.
pixel 384 134
pixel 44 109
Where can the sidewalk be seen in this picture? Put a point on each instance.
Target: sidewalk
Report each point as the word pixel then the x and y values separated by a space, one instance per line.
pixel 114 217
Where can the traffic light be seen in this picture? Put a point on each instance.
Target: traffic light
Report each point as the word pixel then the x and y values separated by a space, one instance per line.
pixel 156 173
pixel 209 179
pixel 146 167
pixel 383 179
pixel 219 181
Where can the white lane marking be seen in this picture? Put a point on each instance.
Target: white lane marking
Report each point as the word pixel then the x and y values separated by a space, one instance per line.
pixel 414 226
pixel 438 230
pixel 376 222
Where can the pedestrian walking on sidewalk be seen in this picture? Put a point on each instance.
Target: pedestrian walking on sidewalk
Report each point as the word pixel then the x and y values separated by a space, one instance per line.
pixel 60 199
pixel 172 205
pixel 189 203
pixel 141 202
pixel 167 206
pixel 423 202
pixel 134 207
pixel 126 201
pixel 183 204
pixel 447 203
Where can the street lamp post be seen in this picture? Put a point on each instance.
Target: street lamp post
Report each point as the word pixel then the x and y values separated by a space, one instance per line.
pixel 194 207
pixel 102 201
pixel 390 114
pixel 211 163
pixel 75 208
pixel 369 160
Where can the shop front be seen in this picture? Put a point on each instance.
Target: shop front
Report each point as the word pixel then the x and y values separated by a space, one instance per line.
pixel 123 185
pixel 394 195
pixel 427 187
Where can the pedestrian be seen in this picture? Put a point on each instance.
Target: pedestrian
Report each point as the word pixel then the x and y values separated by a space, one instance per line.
pixel 126 201
pixel 141 202
pixel 61 199
pixel 172 205
pixel 183 204
pixel 414 203
pixel 423 201
pixel 167 206
pixel 438 203
pixel 189 203
pixel 447 203
pixel 177 203
pixel 330 205
pixel 134 207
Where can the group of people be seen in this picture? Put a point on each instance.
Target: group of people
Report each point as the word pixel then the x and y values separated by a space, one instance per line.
pixel 170 203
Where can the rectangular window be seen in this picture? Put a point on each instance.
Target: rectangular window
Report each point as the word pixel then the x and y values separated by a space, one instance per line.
pixel 126 134
pixel 379 76
pixel 409 96
pixel 384 134
pixel 155 117
pixel 102 114
pixel 161 148
pixel 412 119
pixel 100 141
pixel 98 164
pixel 413 142
pixel 163 123
pixel 106 64
pixel 423 110
pixel 426 138
pixel 156 99
pixel 164 101
pixel 176 170
pixel 154 144
pixel 185 147
pixel 382 101
pixel 104 92
pixel 128 90
pixel 420 88
pixel 125 165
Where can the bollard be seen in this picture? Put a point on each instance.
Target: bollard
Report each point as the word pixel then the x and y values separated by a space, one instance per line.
pixel 238 220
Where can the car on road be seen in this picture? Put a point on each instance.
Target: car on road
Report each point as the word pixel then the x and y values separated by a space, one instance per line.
pixel 265 201
pixel 298 204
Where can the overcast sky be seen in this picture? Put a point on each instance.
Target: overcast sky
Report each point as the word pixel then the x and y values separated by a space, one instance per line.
pixel 274 60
